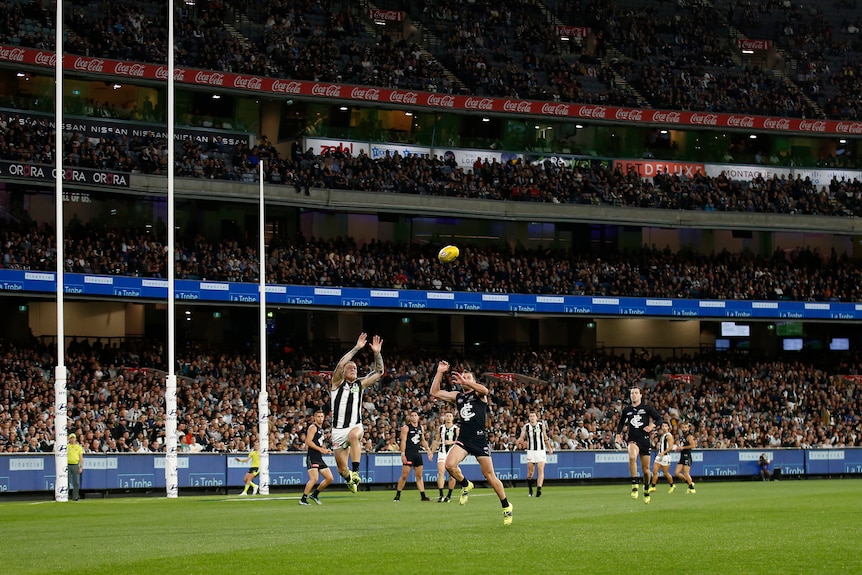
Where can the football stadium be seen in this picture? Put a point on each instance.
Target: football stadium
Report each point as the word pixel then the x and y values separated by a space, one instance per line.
pixel 310 285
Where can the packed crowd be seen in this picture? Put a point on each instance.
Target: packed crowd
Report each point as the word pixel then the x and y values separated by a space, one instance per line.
pixel 116 398
pixel 31 140
pixel 800 274
pixel 671 55
pixel 557 183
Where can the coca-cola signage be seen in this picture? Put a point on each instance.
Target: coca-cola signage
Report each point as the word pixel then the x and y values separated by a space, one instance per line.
pixel 441 100
pixel 326 90
pixel 287 87
pixel 94 65
pixel 571 31
pixel 628 115
pixel 479 104
pixel 248 82
pixel 209 78
pixel 740 121
pixel 749 44
pixel 597 112
pixel 403 97
pixel 555 109
pixel 518 106
pixel 776 124
pixel 666 117
pixel 812 126
pixel 367 94
pixel 704 119
pixel 12 54
pixel 386 15
pixel 849 127
pixel 45 59
pixel 127 69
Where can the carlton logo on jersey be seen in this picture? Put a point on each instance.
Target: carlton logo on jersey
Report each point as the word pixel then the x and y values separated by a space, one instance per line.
pixel 637 421
pixel 467 412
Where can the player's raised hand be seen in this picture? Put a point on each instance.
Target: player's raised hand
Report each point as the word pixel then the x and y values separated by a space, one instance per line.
pixel 376 343
pixel 361 341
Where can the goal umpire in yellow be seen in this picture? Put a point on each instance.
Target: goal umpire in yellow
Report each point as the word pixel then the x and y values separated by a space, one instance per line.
pixel 75 460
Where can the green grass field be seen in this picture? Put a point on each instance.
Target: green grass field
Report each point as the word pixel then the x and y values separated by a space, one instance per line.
pixel 806 527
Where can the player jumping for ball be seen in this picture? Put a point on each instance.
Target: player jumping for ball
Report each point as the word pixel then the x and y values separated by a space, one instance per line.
pixel 472 404
pixel 346 397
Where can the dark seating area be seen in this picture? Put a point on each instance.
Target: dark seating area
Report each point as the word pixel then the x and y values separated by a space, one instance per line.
pixel 664 55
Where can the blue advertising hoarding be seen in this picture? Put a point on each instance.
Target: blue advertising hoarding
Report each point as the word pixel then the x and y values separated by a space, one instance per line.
pixel 35 472
pixel 21 281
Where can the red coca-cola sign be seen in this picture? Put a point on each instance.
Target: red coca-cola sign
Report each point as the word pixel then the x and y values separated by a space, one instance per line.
pixel 209 78
pixel 599 112
pixel 12 54
pixel 121 69
pixel 555 109
pixel 442 101
pixel 812 126
pixel 368 94
pixel 740 121
pixel 46 59
pixel 517 106
pixel 127 69
pixel 386 15
pixel 88 65
pixel 571 31
pixel 479 104
pixel 248 82
pixel 776 124
pixel 849 127
pixel 666 117
pixel 326 90
pixel 749 44
pixel 282 87
pixel 628 115
pixel 403 97
pixel 704 119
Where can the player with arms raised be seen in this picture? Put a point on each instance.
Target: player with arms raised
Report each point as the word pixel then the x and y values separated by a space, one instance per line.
pixel 346 398
pixel 472 405
pixel 638 420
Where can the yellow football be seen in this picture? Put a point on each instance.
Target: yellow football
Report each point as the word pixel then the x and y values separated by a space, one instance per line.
pixel 448 254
